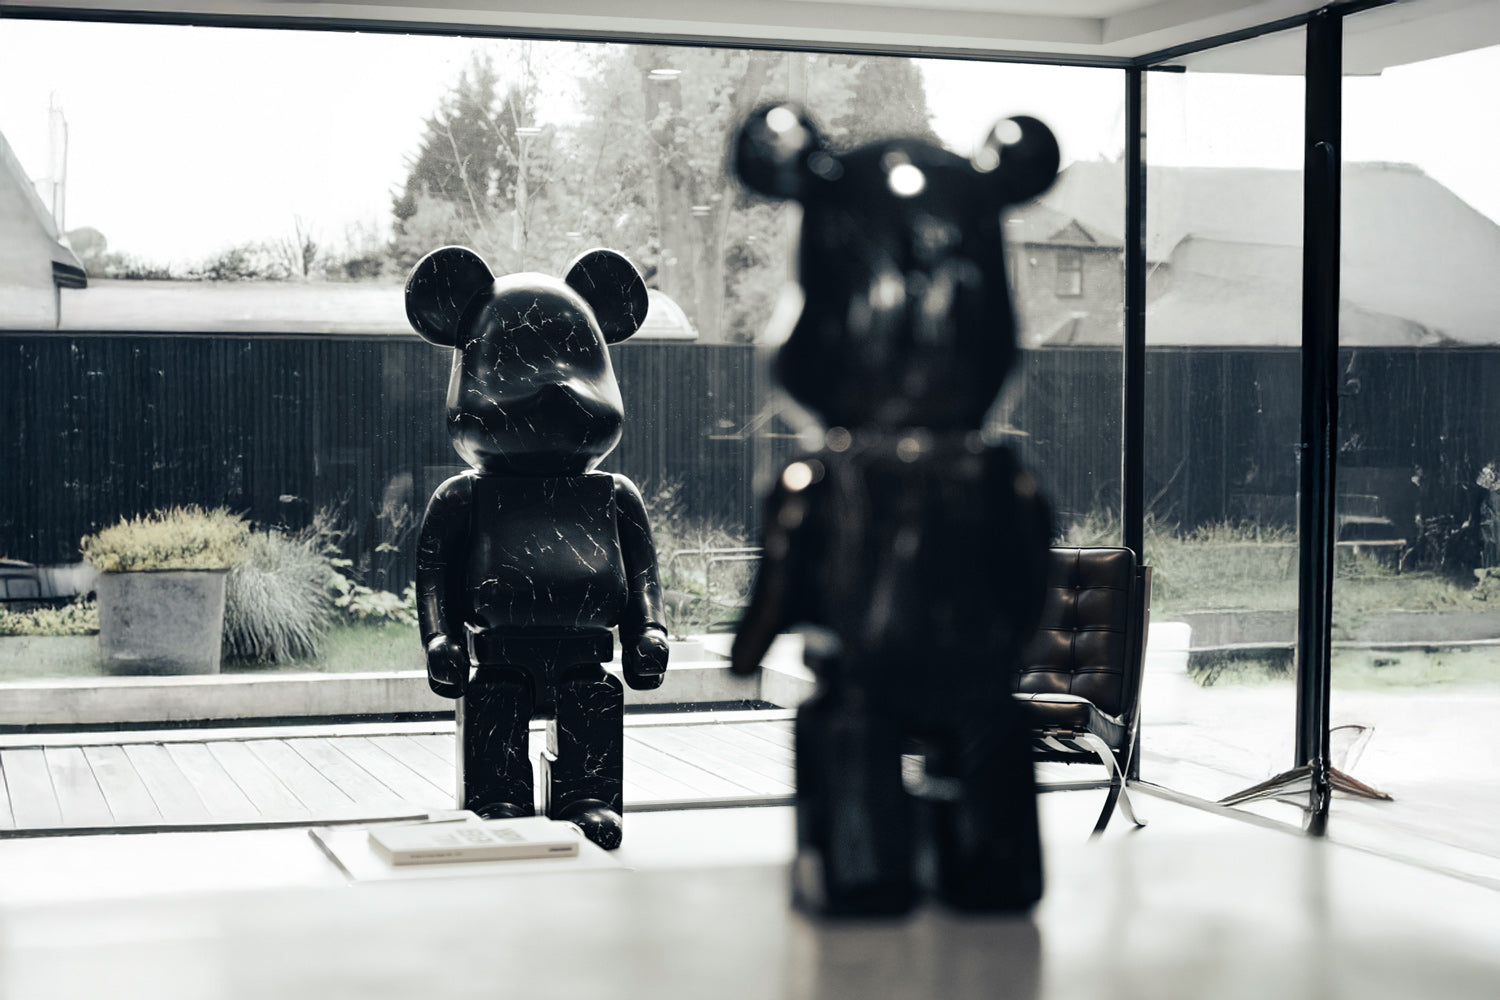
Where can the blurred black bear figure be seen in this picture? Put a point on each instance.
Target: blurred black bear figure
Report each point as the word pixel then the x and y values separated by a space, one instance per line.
pixel 525 563
pixel 912 553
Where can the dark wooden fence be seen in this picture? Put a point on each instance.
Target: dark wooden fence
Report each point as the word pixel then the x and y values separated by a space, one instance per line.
pixel 1417 428
pixel 96 427
pixel 93 427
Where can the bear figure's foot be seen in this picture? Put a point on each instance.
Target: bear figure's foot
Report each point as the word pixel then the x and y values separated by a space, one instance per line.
pixel 816 892
pixel 599 822
pixel 502 810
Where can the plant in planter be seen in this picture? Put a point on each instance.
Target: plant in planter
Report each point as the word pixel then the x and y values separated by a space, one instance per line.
pixel 161 588
pixel 277 606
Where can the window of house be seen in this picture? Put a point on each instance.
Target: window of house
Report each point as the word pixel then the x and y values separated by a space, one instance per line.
pixel 1069 273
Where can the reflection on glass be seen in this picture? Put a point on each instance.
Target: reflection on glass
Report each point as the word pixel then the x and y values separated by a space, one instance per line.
pixel 1223 324
pixel 1418 477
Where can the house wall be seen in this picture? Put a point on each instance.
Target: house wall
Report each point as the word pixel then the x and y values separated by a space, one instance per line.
pixel 1035 275
pixel 28 297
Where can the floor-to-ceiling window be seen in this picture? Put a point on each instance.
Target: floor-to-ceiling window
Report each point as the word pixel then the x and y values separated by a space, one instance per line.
pixel 1416 686
pixel 1223 259
pixel 202 302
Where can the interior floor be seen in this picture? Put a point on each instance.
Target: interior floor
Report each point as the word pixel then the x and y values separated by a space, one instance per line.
pixel 696 904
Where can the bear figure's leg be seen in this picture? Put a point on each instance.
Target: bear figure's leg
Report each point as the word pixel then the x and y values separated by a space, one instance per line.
pixel 588 774
pixel 494 717
pixel 854 818
pixel 985 832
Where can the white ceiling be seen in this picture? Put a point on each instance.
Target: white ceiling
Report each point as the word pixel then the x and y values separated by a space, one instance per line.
pixel 1101 31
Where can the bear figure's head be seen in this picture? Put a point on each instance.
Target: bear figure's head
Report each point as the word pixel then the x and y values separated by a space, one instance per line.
pixel 533 392
pixel 906 318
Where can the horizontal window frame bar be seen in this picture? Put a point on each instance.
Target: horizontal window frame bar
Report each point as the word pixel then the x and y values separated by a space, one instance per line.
pixel 205 19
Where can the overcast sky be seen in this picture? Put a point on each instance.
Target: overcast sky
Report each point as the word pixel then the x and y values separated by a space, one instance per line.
pixel 185 140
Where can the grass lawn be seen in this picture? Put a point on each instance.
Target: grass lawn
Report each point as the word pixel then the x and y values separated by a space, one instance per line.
pixel 1360 669
pixel 348 648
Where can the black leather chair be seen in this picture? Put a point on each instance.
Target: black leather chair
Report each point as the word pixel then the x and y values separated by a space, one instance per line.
pixel 1080 677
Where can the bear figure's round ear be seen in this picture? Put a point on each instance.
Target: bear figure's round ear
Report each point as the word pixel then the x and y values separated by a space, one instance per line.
pixel 778 151
pixel 1022 156
pixel 613 288
pixel 440 286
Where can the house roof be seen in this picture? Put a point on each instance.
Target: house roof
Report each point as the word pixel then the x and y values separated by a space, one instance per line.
pixel 1419 264
pixel 20 205
pixel 1039 225
pixel 280 307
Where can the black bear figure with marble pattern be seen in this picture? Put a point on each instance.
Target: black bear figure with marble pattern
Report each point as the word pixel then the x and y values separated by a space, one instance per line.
pixel 528 560
pixel 910 550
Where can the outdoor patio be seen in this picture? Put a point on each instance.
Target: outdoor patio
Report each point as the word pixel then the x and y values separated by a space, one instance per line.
pixel 313 774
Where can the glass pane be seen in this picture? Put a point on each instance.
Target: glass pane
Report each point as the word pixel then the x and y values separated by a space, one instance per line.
pixel 203 294
pixel 1223 325
pixel 1416 617
pixel 1061 409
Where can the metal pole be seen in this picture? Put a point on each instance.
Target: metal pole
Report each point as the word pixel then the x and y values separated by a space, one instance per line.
pixel 1319 444
pixel 1133 415
pixel 1133 395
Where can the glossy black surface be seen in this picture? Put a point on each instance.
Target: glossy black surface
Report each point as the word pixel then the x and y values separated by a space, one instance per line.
pixel 912 553
pixel 528 561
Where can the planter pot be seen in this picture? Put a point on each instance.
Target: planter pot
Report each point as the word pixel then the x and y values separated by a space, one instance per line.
pixel 165 622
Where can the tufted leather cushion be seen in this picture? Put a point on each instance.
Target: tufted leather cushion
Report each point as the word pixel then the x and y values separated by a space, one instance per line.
pixel 1068 711
pixel 1080 647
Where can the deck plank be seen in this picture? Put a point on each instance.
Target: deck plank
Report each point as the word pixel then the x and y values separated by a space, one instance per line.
pixel 222 798
pixel 699 782
pixel 761 756
pixel 407 784
pixel 444 745
pixel 79 797
pixel 129 800
pixel 779 733
pixel 312 789
pixel 437 771
pixel 418 745
pixel 32 800
pixel 173 793
pixel 642 784
pixel 7 818
pixel 700 753
pixel 354 781
pixel 271 798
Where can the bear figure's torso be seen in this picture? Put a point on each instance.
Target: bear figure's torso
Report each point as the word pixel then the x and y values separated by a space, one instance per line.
pixel 544 553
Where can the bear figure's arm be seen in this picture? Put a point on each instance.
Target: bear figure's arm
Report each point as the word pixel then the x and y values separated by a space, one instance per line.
pixel 440 596
pixel 770 609
pixel 1022 574
pixel 643 637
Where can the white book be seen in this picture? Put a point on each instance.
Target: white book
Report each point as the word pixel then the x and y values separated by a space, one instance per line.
pixel 447 842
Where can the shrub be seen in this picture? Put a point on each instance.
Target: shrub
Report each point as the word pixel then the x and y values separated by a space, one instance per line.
pixel 705 571
pixel 363 603
pixel 277 606
pixel 177 538
pixel 367 604
pixel 81 617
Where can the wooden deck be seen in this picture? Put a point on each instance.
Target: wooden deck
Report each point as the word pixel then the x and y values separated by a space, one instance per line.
pixel 298 775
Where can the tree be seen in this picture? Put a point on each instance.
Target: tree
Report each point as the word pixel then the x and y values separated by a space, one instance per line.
pixel 300 251
pixel 639 167
pixel 888 97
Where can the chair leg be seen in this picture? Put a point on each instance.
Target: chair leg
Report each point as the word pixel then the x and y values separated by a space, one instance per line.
pixel 1117 791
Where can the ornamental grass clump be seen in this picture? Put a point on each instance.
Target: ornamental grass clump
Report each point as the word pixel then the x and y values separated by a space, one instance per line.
pixel 179 538
pixel 277 606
